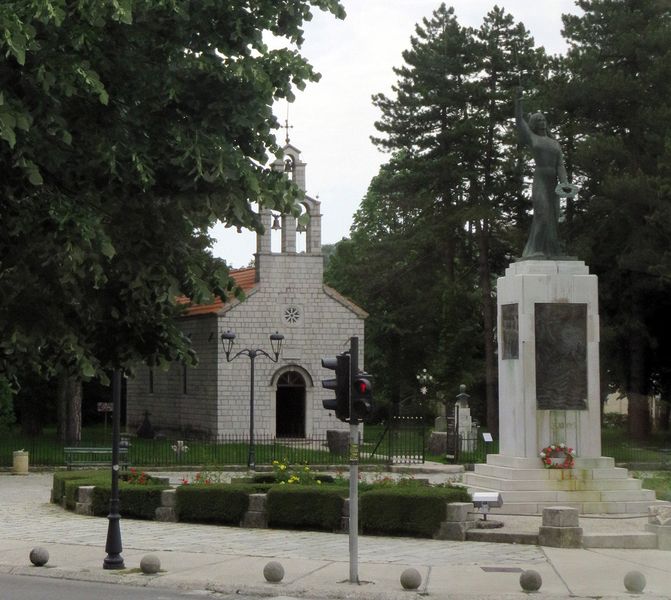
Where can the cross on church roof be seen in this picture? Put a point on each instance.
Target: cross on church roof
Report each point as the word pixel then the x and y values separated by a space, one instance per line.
pixel 287 127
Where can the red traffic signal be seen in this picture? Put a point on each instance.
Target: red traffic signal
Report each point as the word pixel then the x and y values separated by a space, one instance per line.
pixel 362 396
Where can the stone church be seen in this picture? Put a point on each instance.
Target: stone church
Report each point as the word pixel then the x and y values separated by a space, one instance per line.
pixel 285 293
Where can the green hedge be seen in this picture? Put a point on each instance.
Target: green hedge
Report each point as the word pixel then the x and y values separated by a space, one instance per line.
pixel 413 510
pixel 135 501
pixel 305 507
pixel 61 477
pixel 217 503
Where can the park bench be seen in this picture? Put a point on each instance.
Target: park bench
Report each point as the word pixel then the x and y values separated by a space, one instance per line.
pixel 81 456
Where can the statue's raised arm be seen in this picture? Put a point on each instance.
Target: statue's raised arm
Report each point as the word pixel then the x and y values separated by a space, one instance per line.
pixel 522 127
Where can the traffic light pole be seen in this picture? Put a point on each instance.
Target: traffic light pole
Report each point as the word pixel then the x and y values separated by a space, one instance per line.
pixel 353 472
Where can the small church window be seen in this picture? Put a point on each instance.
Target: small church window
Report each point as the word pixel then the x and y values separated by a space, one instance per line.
pixel 292 314
pixel 151 381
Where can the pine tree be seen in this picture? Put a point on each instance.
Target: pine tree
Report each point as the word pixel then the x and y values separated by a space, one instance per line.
pixel 619 92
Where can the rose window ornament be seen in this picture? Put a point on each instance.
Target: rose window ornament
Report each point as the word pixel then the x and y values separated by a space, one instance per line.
pixel 292 314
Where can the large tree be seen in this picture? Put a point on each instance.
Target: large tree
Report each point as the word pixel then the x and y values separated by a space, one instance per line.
pixel 127 128
pixel 618 90
pixel 446 203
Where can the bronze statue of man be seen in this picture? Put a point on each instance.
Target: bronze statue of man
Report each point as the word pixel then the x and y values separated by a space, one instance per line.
pixel 543 242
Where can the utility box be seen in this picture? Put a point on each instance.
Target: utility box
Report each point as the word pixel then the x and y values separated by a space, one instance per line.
pixel 20 463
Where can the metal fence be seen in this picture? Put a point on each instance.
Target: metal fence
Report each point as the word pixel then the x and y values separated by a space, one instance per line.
pixel 473 449
pixel 403 443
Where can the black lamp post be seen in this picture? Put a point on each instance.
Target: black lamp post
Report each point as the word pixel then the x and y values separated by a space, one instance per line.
pixel 227 339
pixel 114 560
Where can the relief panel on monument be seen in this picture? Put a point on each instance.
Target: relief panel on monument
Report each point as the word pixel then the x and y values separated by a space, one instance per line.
pixel 561 356
pixel 510 329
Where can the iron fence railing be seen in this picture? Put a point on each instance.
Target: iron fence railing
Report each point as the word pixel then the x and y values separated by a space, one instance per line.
pixel 473 449
pixel 404 443
pixel 404 440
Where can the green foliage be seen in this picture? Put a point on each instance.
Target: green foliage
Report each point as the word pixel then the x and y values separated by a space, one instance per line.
pixel 660 483
pixel 127 129
pixel 305 507
pixel 442 216
pixel 7 416
pixel 615 87
pixel 407 510
pixel 60 479
pixel 135 501
pixel 216 503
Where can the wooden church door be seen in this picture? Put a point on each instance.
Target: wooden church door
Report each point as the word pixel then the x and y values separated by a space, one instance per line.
pixel 290 405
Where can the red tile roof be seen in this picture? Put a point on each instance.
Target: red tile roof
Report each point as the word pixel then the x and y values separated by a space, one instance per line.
pixel 244 279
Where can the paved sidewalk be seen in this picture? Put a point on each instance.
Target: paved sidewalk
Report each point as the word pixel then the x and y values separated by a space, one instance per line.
pixel 226 559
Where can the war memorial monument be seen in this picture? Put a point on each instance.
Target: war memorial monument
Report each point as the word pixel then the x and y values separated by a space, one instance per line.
pixel 548 361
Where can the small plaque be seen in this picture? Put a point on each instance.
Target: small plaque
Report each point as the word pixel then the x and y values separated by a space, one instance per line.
pixel 510 331
pixel 561 356
pixel 487 437
pixel 105 407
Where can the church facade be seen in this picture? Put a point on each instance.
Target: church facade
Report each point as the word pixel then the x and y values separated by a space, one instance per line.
pixel 285 293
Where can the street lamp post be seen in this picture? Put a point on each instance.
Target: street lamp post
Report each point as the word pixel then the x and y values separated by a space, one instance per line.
pixel 113 547
pixel 227 340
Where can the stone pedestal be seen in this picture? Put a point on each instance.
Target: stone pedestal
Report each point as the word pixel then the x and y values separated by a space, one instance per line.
pixel 467 431
pixel 548 337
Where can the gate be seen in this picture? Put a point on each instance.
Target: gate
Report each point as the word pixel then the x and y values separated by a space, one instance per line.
pixel 401 442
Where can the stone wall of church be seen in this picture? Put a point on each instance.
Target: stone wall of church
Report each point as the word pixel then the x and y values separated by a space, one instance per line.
pixel 290 298
pixel 183 399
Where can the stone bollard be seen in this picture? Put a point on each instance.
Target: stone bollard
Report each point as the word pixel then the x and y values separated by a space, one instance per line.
pixel 166 512
pixel 458 519
pixel 560 528
pixel 256 515
pixel 659 522
pixel 84 505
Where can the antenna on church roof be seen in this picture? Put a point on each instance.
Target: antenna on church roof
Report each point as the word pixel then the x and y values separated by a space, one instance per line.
pixel 287 126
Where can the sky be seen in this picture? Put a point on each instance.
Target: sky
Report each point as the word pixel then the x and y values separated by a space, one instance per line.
pixel 332 120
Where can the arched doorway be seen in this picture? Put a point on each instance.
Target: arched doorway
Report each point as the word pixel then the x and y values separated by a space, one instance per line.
pixel 290 405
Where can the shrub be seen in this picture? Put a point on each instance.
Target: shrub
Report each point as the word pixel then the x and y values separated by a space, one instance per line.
pixel 411 510
pixel 135 501
pixel 305 507
pixel 272 478
pixel 62 477
pixel 216 503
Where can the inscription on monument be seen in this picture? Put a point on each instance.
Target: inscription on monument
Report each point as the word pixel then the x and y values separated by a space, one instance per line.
pixel 561 356
pixel 511 331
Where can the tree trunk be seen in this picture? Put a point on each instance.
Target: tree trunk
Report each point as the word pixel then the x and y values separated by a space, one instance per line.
pixel 69 409
pixel 488 313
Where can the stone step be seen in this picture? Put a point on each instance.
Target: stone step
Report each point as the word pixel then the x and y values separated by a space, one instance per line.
pixel 516 462
pixel 550 474
pixel 560 497
pixel 479 480
pixel 585 508
pixel 632 541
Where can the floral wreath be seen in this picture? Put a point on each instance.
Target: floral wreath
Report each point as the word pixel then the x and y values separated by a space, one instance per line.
pixel 558 450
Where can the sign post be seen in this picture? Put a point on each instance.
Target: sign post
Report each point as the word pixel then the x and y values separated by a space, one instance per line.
pixel 105 407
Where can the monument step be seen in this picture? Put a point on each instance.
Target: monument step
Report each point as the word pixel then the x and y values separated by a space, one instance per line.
pixel 585 508
pixel 541 473
pixel 631 541
pixel 586 501
pixel 567 484
pixel 519 462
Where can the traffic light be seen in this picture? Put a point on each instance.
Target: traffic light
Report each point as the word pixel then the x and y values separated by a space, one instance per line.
pixel 340 384
pixel 362 396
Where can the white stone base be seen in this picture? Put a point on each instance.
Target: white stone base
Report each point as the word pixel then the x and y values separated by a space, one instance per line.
pixel 594 486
